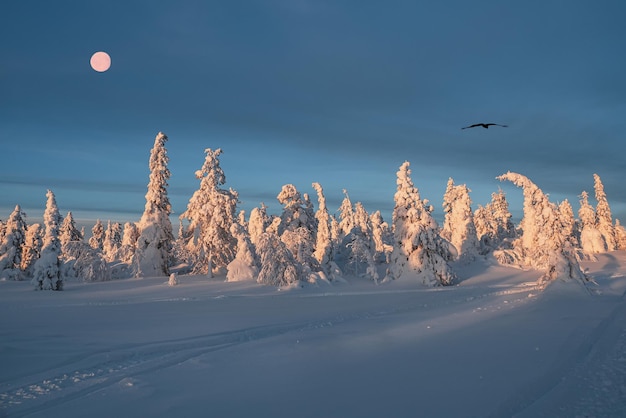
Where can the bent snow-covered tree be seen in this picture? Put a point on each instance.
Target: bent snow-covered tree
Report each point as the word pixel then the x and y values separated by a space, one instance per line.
pixel 153 247
pixel 47 269
pixel 418 249
pixel 210 212
pixel 544 243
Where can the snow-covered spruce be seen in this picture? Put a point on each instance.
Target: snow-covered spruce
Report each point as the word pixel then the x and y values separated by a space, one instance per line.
pixel 152 252
pixel 47 269
pixel 544 244
pixel 11 245
pixel 278 265
pixel 458 224
pixel 210 213
pixel 418 247
pixel 245 265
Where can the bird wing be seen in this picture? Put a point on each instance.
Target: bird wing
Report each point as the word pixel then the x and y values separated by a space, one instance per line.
pixel 473 126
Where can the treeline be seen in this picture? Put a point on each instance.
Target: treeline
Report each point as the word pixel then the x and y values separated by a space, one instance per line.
pixel 304 244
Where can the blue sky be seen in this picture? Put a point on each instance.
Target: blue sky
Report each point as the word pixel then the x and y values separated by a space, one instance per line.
pixel 297 91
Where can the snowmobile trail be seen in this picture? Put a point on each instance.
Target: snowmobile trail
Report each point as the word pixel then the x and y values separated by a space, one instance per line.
pixel 584 370
pixel 35 392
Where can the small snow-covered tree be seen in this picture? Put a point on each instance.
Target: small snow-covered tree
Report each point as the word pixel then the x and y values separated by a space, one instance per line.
pixel 544 244
pixel 211 211
pixel 604 219
pixel 566 214
pixel 620 235
pixel 84 262
pixel 346 216
pixel 31 249
pixel 381 236
pixel 278 265
pixel 47 269
pixel 458 225
pixel 245 265
pixel 154 245
pixel 493 223
pixel 97 236
pixel 591 239
pixel 12 243
pixel 258 222
pixel 112 241
pixel 129 242
pixel 418 248
pixel 68 231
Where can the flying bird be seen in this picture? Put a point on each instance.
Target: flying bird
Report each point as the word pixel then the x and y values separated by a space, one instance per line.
pixel 485 125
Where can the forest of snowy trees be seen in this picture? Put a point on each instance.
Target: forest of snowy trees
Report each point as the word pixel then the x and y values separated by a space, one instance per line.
pixel 305 245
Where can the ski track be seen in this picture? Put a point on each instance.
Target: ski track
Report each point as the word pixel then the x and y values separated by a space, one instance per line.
pixel 586 371
pixel 39 391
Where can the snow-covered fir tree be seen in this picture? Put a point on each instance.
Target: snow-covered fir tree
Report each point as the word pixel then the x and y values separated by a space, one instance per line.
pixel 620 235
pixel 295 212
pixel 544 244
pixel 154 245
pixel 129 242
pixel 11 245
pixel 381 236
pixel 258 222
pixel 245 265
pixel 68 231
pixel 112 241
pixel 278 265
pixel 591 239
pixel 323 241
pixel 493 223
pixel 210 212
pixel 570 229
pixel 47 268
pixel 418 248
pixel 31 249
pixel 458 224
pixel 97 236
pixel 604 219
pixel 346 216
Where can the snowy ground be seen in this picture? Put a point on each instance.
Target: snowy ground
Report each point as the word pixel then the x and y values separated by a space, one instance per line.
pixel 494 345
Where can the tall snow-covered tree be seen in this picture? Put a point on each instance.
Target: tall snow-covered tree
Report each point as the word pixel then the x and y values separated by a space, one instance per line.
pixel 210 212
pixel 97 236
pixel 458 225
pixel 323 240
pixel 346 216
pixel 31 249
pixel 47 269
pixel 154 245
pixel 12 243
pixel 544 244
pixel 604 219
pixel 418 248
